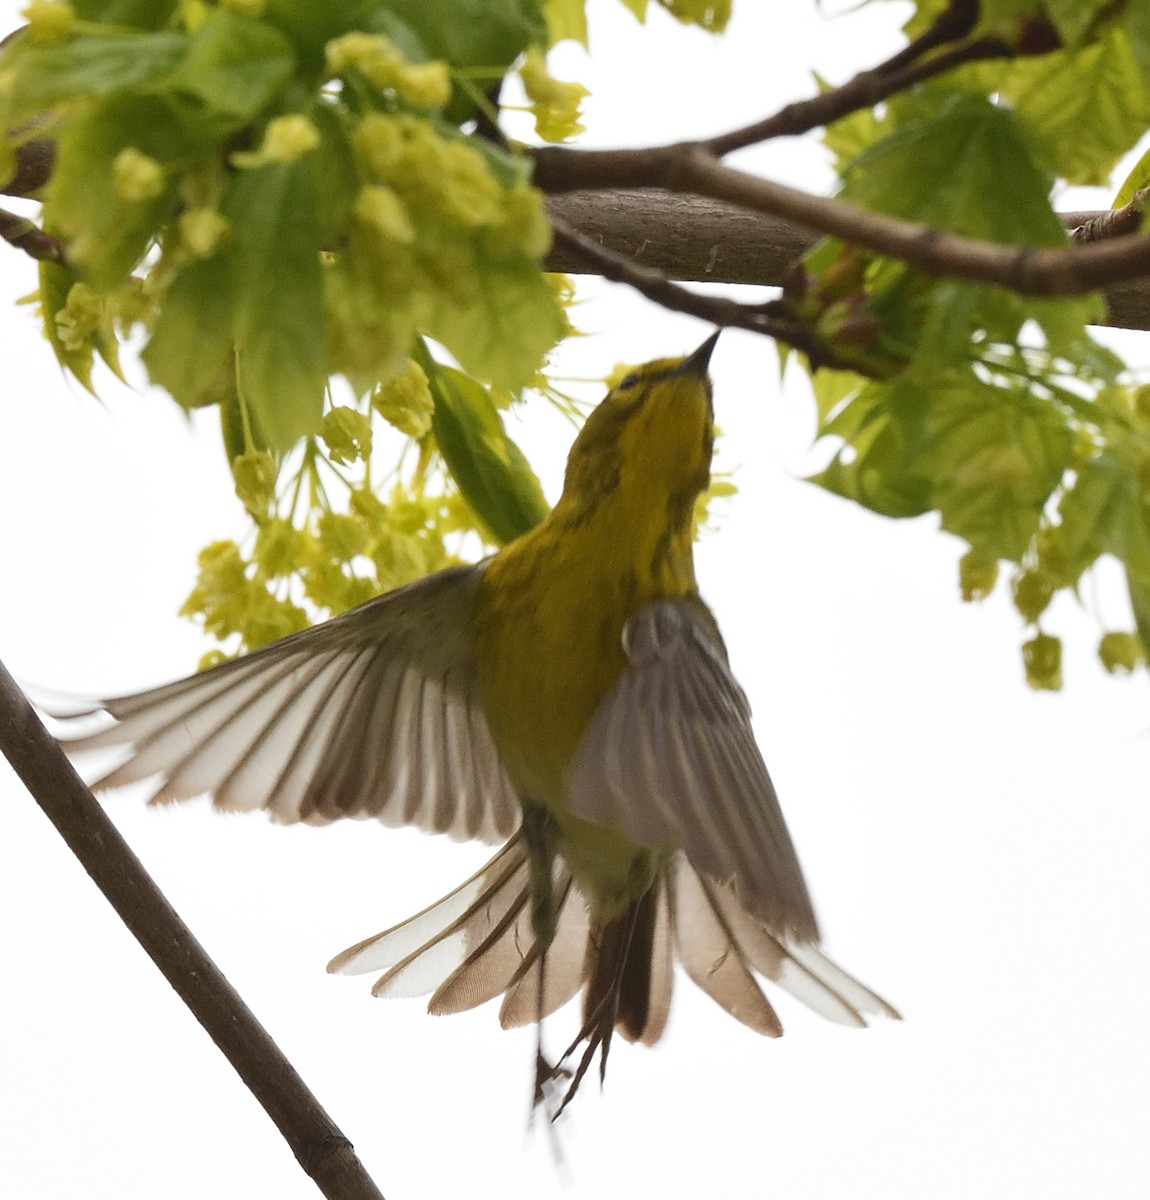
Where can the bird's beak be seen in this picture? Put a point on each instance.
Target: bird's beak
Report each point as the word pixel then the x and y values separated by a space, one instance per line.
pixel 696 362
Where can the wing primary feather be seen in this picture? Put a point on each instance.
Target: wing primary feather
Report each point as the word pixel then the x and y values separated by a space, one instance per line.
pixel 338 786
pixel 207 752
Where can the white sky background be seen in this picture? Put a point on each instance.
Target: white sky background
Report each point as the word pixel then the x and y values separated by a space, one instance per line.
pixel 977 851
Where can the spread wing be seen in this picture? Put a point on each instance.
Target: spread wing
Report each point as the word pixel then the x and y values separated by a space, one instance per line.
pixel 372 714
pixel 670 760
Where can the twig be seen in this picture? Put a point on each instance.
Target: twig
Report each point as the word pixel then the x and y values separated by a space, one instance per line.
pixel 864 90
pixel 763 318
pixel 322 1150
pixel 26 235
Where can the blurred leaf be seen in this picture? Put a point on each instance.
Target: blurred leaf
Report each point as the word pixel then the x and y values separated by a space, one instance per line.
pixel 310 26
pixel 494 477
pixel 1105 512
pixel 475 33
pixel 258 298
pixel 1082 109
pixel 235 65
pixel 881 425
pixel 995 455
pixel 1136 22
pixel 1139 177
pixel 504 323
pixel 140 14
pixel 46 73
pixel 108 234
pixel 1074 18
pixel 966 168
pixel 566 19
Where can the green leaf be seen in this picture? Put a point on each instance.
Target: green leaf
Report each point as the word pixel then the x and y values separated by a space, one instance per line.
pixel 475 33
pixel 1140 603
pixel 1082 109
pixel 500 327
pixel 1136 22
pixel 850 136
pixel 880 425
pixel 565 19
pixel 711 15
pixel 140 14
pixel 108 234
pixel 495 478
pixel 310 26
pixel 280 342
pixel 965 168
pixel 1075 19
pixel 235 66
pixel 1105 513
pixel 46 74
pixel 1138 178
pixel 191 349
pixel 995 456
pixel 336 174
pixel 831 389
pixel 259 299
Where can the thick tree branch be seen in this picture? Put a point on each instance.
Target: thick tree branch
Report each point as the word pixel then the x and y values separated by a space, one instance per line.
pixel 694 239
pixel 688 169
pixel 322 1150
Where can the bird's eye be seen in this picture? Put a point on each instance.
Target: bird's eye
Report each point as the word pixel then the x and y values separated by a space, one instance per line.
pixel 627 382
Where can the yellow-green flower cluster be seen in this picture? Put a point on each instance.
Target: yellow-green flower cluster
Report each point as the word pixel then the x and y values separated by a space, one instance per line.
pixel 554 102
pixel 379 209
pixel 228 601
pixel 286 140
pixel 405 401
pixel 202 231
pixel 347 434
pixel 255 478
pixel 324 539
pixel 136 177
pixel 444 175
pixel 976 579
pixel 84 315
pixel 380 62
pixel 1121 653
pixel 1042 658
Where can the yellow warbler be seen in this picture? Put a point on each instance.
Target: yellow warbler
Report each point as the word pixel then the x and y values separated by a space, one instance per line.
pixel 570 696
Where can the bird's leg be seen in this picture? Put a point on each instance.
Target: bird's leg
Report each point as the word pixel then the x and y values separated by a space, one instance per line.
pixel 541 835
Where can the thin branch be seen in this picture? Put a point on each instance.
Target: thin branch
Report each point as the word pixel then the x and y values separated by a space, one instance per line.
pixel 762 318
pixel 864 90
pixel 1116 222
pixel 322 1150
pixel 26 235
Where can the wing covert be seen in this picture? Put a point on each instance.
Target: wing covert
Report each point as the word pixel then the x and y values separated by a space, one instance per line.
pixel 670 760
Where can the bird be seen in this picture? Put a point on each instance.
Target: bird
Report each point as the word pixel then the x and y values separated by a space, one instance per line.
pixel 570 698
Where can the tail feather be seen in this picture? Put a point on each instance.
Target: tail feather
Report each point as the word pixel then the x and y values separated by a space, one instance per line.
pixel 549 980
pixel 440 936
pixel 477 943
pixel 711 954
